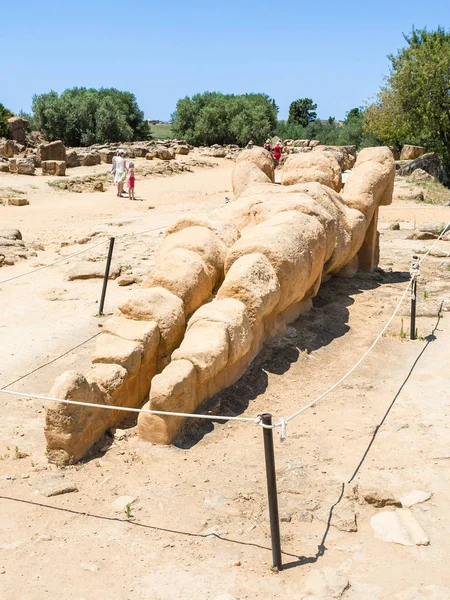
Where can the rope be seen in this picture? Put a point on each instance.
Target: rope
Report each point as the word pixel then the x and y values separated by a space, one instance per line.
pixel 356 365
pixel 69 256
pixel 446 228
pixel 135 410
pixel 52 361
pixel 60 260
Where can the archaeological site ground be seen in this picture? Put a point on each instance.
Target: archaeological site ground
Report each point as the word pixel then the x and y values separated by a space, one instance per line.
pixel 235 289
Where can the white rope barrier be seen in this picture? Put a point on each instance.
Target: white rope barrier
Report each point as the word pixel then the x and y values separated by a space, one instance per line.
pixel 60 260
pixel 356 365
pixel 446 228
pixel 135 410
pixel 70 256
pixel 282 422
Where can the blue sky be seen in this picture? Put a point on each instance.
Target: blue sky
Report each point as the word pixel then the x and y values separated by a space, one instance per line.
pixel 333 52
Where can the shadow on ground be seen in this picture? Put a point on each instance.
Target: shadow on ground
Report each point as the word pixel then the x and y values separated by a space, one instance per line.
pixel 327 321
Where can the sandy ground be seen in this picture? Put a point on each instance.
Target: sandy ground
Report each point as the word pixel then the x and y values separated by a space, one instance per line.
pixel 199 527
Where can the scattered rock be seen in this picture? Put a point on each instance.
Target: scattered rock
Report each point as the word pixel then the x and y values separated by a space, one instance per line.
pixel 394 226
pixel 88 566
pixel 326 583
pixel 421 175
pixel 22 166
pixel 53 167
pixel 414 497
pixel 120 504
pixel 378 498
pixel 126 279
pixel 90 270
pixel 434 227
pixel 120 434
pixel 52 151
pixel 399 526
pixel 285 517
pixel 410 152
pixel 22 201
pixel 430 163
pixel 55 485
pixel 421 235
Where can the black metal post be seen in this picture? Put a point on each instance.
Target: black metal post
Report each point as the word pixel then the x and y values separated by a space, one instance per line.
pixel 272 491
pixel 412 332
pixel 106 277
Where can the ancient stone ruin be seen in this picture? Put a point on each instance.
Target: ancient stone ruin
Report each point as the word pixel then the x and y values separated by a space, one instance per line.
pixel 224 283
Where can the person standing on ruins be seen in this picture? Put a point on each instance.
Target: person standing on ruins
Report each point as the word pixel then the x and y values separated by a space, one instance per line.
pixel 268 146
pixel 121 172
pixel 277 153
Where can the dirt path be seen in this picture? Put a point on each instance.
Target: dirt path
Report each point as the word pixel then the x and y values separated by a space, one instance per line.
pixel 199 525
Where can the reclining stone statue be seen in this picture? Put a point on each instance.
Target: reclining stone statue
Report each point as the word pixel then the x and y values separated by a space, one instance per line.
pixel 222 284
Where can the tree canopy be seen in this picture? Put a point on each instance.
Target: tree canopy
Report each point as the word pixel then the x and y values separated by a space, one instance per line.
pixel 302 112
pixel 414 104
pixel 82 116
pixel 5 114
pixel 215 118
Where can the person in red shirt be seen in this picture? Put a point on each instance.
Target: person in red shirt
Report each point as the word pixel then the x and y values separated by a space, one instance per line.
pixel 277 153
pixel 131 181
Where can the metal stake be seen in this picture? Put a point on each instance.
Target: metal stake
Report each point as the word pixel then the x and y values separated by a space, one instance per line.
pixel 412 332
pixel 415 272
pixel 105 278
pixel 272 491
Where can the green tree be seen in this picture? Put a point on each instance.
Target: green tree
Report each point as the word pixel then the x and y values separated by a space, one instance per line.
pixel 5 114
pixel 414 104
pixel 215 118
pixel 82 116
pixel 302 111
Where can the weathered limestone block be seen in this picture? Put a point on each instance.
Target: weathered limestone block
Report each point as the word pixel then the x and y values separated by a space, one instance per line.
pixel 252 280
pixel 260 158
pixel 410 152
pixel 185 274
pixel 202 241
pixel 321 167
pixel 71 430
pixel 106 155
pixel 288 240
pixel 18 128
pixel 22 166
pixel 53 167
pixel 226 231
pixel 233 314
pixel 176 391
pixel 161 306
pixel 72 159
pixel 9 148
pixel 114 350
pixel 245 174
pixel 51 151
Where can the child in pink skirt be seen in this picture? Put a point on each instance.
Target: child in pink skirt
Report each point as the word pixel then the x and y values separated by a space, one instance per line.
pixel 131 181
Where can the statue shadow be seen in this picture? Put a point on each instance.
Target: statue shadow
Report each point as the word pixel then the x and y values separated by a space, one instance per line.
pixel 325 322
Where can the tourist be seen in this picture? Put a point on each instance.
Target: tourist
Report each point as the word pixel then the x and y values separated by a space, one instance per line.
pixel 130 182
pixel 277 153
pixel 120 171
pixel 113 163
pixel 250 145
pixel 268 146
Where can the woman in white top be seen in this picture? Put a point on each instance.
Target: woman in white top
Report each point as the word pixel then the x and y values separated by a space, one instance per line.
pixel 120 171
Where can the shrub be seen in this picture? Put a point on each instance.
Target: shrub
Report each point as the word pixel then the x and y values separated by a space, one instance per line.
pixel 215 118
pixel 81 116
